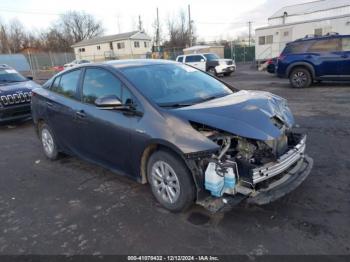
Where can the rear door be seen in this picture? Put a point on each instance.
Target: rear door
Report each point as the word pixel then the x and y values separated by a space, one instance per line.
pixel 345 55
pixel 197 61
pixel 326 56
pixel 62 104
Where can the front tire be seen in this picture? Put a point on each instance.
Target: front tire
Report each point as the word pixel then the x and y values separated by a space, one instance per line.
pixel 48 142
pixel 170 181
pixel 300 77
pixel 212 71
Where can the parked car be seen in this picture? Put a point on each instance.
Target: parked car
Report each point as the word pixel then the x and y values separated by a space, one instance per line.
pixel 15 94
pixel 271 65
pixel 58 68
pixel 315 59
pixel 76 62
pixel 192 137
pixel 209 62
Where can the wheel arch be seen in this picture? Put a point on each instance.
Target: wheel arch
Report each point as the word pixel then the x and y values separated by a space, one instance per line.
pixel 156 145
pixel 306 65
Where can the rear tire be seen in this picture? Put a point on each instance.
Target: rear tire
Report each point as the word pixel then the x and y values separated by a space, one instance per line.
pixel 48 142
pixel 300 77
pixel 170 181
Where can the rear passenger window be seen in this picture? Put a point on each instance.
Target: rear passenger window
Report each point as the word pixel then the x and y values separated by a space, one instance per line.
pixel 296 48
pixel 194 58
pixel 346 44
pixel 325 45
pixel 99 83
pixel 67 84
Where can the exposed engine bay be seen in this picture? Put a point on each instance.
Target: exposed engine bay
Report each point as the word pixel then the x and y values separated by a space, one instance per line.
pixel 244 165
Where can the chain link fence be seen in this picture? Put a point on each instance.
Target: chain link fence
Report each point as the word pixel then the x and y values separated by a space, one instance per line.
pixel 39 65
pixel 240 53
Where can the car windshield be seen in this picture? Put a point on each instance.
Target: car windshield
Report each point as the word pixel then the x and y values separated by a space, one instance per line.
pixel 211 57
pixel 11 75
pixel 175 85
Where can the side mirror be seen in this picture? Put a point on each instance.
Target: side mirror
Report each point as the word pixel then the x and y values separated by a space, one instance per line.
pixel 29 77
pixel 108 102
pixel 202 60
pixel 112 102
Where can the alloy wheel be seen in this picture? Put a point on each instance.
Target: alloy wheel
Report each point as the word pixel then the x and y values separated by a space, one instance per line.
pixel 165 182
pixel 47 141
pixel 299 79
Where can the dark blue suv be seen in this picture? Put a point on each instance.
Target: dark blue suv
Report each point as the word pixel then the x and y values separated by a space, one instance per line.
pixel 313 59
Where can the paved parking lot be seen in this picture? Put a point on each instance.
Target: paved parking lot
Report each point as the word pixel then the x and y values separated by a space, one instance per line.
pixel 73 207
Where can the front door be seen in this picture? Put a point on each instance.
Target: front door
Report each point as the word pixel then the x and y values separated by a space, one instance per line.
pixel 197 61
pixel 105 134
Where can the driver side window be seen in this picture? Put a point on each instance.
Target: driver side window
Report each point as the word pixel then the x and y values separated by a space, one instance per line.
pixel 98 83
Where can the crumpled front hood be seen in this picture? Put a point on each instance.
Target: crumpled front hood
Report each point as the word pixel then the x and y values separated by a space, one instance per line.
pixel 11 88
pixel 245 113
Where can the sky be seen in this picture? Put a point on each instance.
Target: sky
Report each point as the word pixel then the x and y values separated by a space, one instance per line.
pixel 213 20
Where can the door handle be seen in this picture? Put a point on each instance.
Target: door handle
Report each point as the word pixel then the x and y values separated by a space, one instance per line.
pixel 80 114
pixel 49 104
pixel 344 56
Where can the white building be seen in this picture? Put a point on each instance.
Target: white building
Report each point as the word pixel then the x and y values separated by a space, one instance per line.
pixel 134 44
pixel 297 21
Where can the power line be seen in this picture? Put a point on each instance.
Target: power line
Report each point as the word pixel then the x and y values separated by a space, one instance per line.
pixel 28 12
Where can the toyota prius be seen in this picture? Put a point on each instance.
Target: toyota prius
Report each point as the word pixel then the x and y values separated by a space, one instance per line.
pixel 191 137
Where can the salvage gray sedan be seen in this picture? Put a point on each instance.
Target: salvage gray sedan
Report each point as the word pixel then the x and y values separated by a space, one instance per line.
pixel 191 137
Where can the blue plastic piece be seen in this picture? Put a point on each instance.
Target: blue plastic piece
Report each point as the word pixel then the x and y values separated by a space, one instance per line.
pixel 215 189
pixel 230 182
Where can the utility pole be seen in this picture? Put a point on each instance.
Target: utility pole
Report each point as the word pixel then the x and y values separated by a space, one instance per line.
pixel 118 22
pixel 157 32
pixel 140 23
pixel 189 24
pixel 250 31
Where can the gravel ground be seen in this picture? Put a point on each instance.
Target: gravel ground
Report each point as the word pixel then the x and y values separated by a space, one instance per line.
pixel 73 207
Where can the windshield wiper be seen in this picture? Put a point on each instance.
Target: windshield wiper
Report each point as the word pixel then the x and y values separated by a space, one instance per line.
pixel 175 105
pixel 211 98
pixel 10 81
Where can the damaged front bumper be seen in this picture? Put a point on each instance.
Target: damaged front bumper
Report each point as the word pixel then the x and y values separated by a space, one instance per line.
pixel 269 182
pixel 279 188
pixel 290 181
pixel 283 163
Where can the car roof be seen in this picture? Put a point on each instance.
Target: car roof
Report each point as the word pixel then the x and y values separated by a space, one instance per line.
pixel 119 64
pixel 137 62
pixel 319 38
